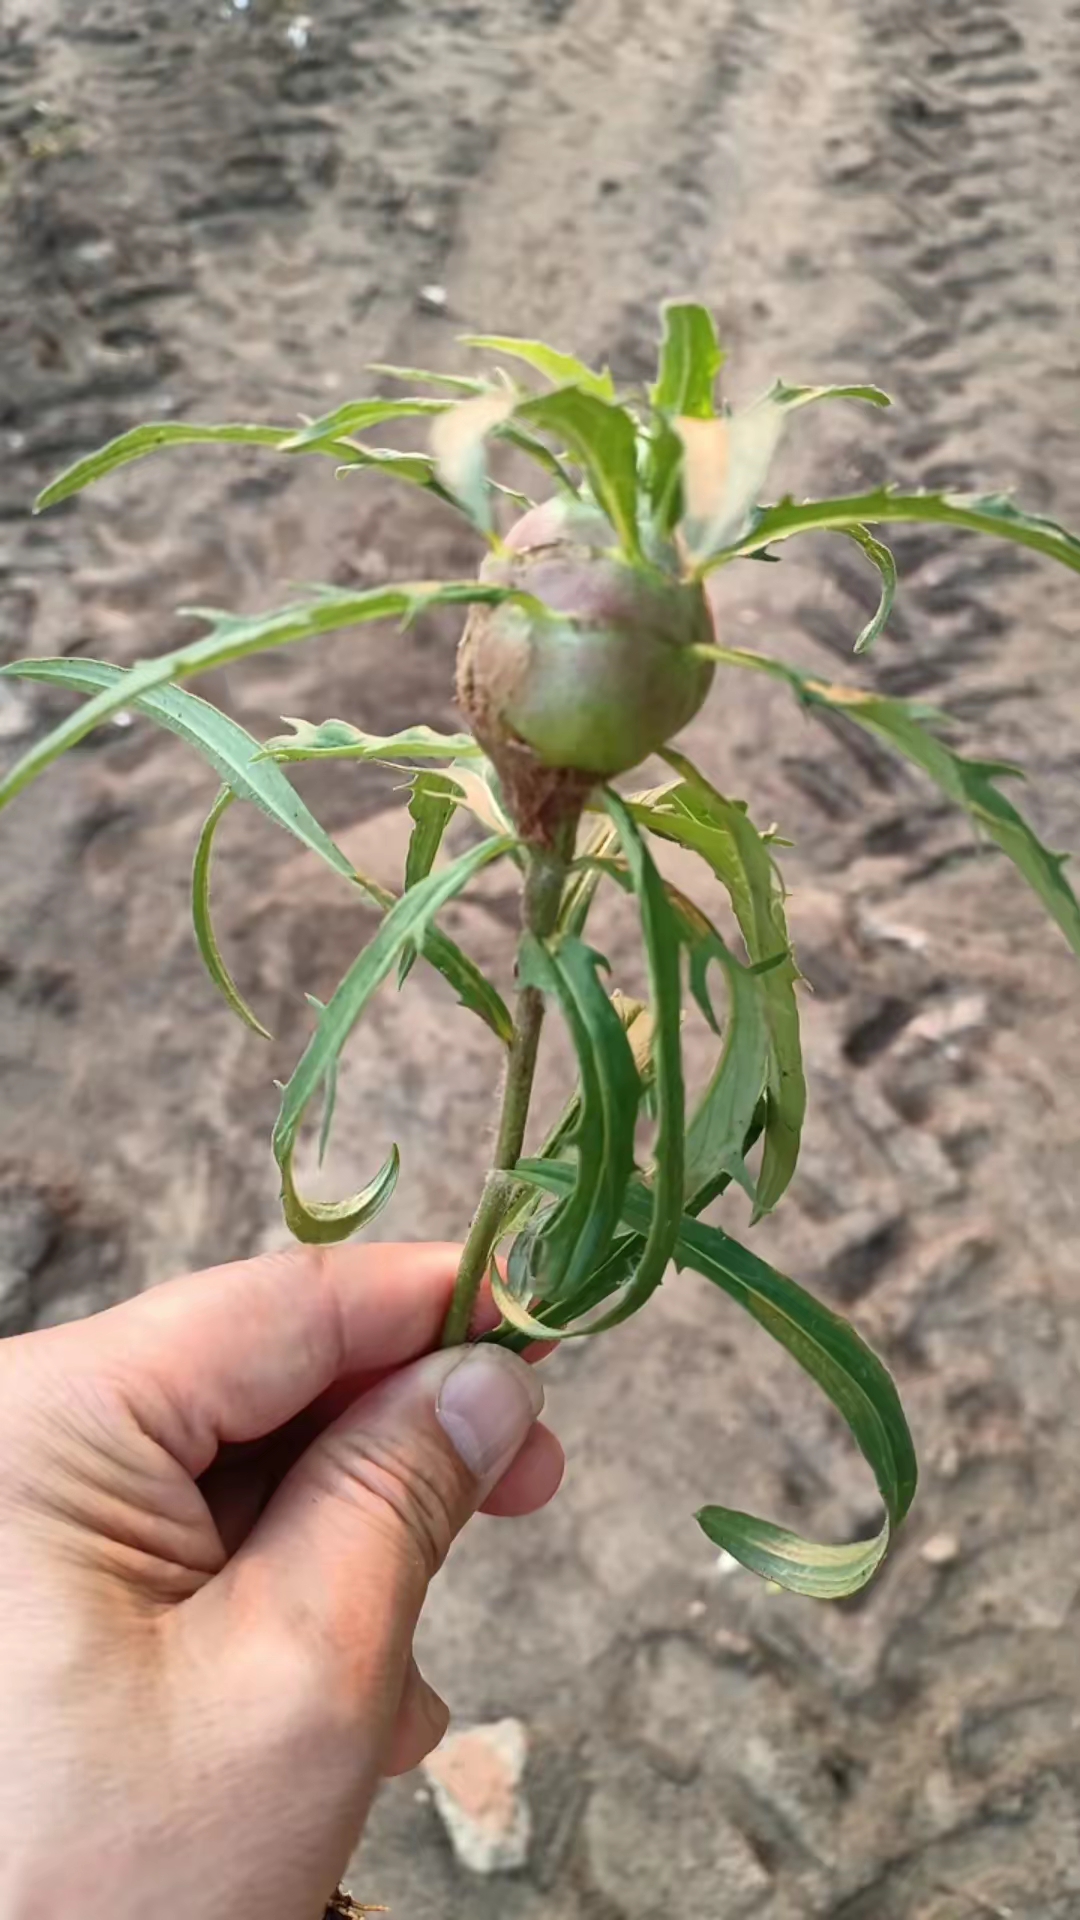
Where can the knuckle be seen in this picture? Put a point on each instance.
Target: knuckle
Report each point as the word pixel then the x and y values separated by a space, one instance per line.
pixel 408 1491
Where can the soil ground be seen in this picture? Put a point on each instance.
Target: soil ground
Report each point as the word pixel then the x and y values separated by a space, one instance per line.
pixel 209 211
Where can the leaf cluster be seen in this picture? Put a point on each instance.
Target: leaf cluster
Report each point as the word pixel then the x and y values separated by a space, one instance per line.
pixel 589 1223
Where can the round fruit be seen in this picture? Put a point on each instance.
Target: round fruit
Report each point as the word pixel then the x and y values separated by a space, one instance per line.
pixel 606 674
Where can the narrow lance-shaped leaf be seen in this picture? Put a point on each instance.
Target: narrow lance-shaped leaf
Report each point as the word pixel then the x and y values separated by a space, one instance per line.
pixel 722 1120
pixel 240 761
pixel 356 416
pixel 695 816
pixel 660 931
pixel 690 359
pixel 421 377
pixel 834 1356
pixel 330 1087
pixel 232 637
pixel 200 915
pixel 157 435
pixel 726 461
pixel 553 1320
pixel 417 469
pixel 233 753
pixel 553 1262
pixel 992 513
pixel 338 740
pixel 603 440
pixel 663 475
pixel 562 369
pixel 535 449
pixel 882 559
pixel 557 1143
pixel 971 784
pixel 431 808
pixel 325 1222
pixel 405 923
pixel 432 804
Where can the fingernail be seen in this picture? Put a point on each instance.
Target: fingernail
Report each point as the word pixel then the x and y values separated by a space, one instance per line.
pixel 486 1406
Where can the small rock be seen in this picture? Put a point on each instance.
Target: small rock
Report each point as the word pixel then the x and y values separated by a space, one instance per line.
pixel 736 1646
pixel 949 1020
pixel 889 933
pixel 940 1550
pixel 476 1779
pixel 432 298
pixel 14 712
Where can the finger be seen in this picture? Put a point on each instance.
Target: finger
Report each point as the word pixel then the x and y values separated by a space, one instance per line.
pixel 534 1478
pixel 232 1354
pixel 341 1559
pixel 422 1719
pixel 236 1489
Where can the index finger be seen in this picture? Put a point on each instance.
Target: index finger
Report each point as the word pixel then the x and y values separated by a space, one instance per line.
pixel 233 1353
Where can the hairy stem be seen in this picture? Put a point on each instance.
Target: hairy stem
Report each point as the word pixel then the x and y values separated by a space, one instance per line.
pixel 545 872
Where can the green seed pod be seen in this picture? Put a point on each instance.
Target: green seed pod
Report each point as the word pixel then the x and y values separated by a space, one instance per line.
pixel 606 674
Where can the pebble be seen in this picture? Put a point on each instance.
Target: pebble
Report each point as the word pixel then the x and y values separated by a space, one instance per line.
pixel 432 298
pixel 476 1777
pixel 14 712
pixel 940 1550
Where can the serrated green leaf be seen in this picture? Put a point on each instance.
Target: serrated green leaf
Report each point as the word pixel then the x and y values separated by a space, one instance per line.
pixel 661 935
pixel 432 804
pixel 233 753
pixel 970 783
pixel 417 469
pixel 157 434
pixel 576 1236
pixel 717 1133
pixel 200 915
pixel 992 513
pixel 338 740
pixel 240 761
pixel 690 359
pixel 638 1266
pixel 695 816
pixel 534 449
pixel 325 1222
pixel 882 559
pixel 420 376
pixel 603 439
pixel 726 462
pixel 407 921
pixel 562 369
pixel 663 475
pixel 782 395
pixel 356 416
pixel 458 442
pixel 232 636
pixel 832 1353
pixel 330 1087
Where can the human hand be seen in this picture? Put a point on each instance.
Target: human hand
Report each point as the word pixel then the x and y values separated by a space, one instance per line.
pixel 221 1505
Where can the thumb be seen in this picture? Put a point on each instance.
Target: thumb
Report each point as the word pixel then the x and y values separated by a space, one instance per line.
pixel 346 1548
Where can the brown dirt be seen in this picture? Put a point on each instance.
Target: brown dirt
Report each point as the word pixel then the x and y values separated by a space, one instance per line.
pixel 199 218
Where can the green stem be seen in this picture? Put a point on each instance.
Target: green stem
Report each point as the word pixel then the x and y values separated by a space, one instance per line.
pixel 545 874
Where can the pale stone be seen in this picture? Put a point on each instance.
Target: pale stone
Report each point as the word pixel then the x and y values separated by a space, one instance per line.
pixel 476 1778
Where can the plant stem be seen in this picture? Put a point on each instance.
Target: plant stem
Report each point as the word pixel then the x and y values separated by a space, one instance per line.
pixel 545 872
